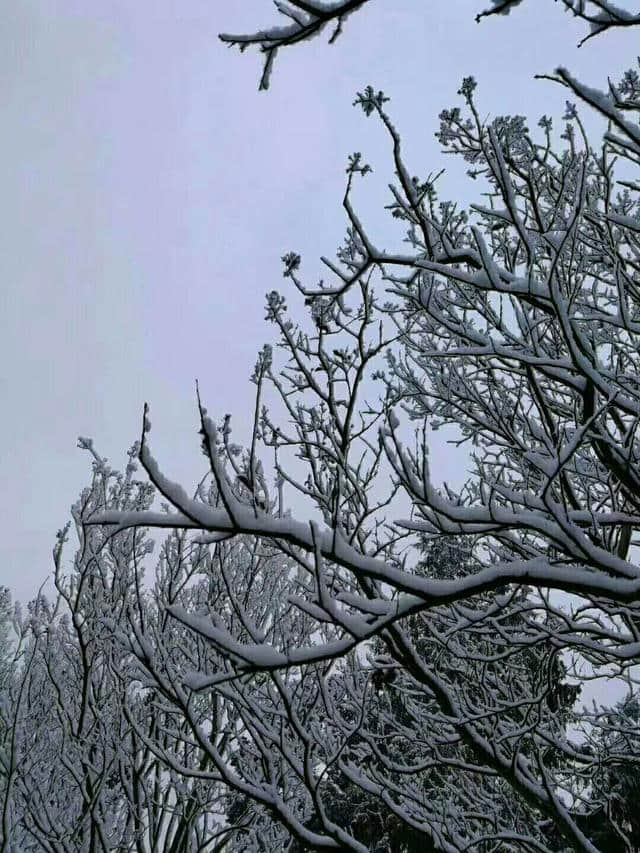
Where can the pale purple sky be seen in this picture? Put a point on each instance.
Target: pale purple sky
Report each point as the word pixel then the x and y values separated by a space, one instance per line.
pixel 149 190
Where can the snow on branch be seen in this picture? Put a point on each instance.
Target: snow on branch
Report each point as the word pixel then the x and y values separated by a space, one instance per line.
pixel 307 19
pixel 333 633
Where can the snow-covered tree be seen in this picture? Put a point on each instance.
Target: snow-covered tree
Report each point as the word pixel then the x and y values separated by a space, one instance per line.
pixel 67 727
pixel 76 764
pixel 301 652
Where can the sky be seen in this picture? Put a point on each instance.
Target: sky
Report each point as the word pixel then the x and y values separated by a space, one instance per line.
pixel 149 190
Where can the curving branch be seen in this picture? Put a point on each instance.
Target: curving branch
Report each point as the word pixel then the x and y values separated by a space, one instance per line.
pixel 308 18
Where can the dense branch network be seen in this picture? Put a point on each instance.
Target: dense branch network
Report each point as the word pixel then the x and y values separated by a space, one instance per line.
pixel 334 650
pixel 517 323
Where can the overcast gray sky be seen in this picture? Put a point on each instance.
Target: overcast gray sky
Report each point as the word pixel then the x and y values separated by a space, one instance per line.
pixel 149 190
